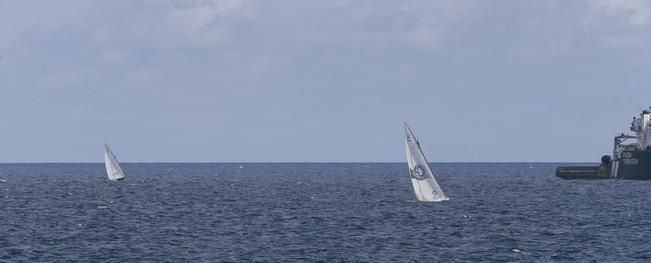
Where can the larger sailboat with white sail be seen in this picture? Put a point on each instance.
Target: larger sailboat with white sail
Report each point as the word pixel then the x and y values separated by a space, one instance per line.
pixel 422 178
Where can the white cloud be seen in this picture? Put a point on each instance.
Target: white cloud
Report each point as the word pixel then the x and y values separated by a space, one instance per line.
pixel 416 24
pixel 201 21
pixel 636 12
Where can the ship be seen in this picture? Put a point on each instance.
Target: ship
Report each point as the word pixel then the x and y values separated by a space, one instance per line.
pixel 631 157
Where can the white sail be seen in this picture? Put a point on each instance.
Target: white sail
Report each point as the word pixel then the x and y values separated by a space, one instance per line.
pixel 422 178
pixel 113 169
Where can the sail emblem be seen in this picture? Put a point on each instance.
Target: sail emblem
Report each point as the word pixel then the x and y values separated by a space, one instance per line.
pixel 408 138
pixel 418 173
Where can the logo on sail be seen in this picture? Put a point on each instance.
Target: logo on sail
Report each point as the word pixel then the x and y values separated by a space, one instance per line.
pixel 417 173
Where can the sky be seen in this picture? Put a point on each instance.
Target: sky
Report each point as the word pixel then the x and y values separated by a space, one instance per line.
pixel 320 81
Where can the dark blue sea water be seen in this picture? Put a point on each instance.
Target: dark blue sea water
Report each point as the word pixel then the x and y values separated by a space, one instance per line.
pixel 325 212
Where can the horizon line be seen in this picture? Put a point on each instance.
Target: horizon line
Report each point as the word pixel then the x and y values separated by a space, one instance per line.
pixel 299 162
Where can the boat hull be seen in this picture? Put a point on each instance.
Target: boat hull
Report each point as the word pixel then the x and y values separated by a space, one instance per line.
pixel 635 165
pixel 632 164
pixel 583 172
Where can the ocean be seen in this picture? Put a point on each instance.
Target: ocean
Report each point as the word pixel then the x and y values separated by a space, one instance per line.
pixel 317 212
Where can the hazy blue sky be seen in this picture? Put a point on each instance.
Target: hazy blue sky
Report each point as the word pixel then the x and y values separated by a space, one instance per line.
pixel 281 80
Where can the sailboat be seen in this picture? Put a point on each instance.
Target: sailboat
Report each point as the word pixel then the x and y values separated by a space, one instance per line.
pixel 113 169
pixel 422 178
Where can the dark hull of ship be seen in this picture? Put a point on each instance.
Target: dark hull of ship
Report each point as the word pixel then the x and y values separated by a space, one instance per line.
pixel 583 172
pixel 634 165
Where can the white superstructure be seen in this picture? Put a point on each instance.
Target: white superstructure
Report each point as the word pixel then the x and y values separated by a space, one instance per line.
pixel 642 128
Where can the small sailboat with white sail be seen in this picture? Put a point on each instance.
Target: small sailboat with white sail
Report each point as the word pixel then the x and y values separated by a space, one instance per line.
pixel 113 169
pixel 422 178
